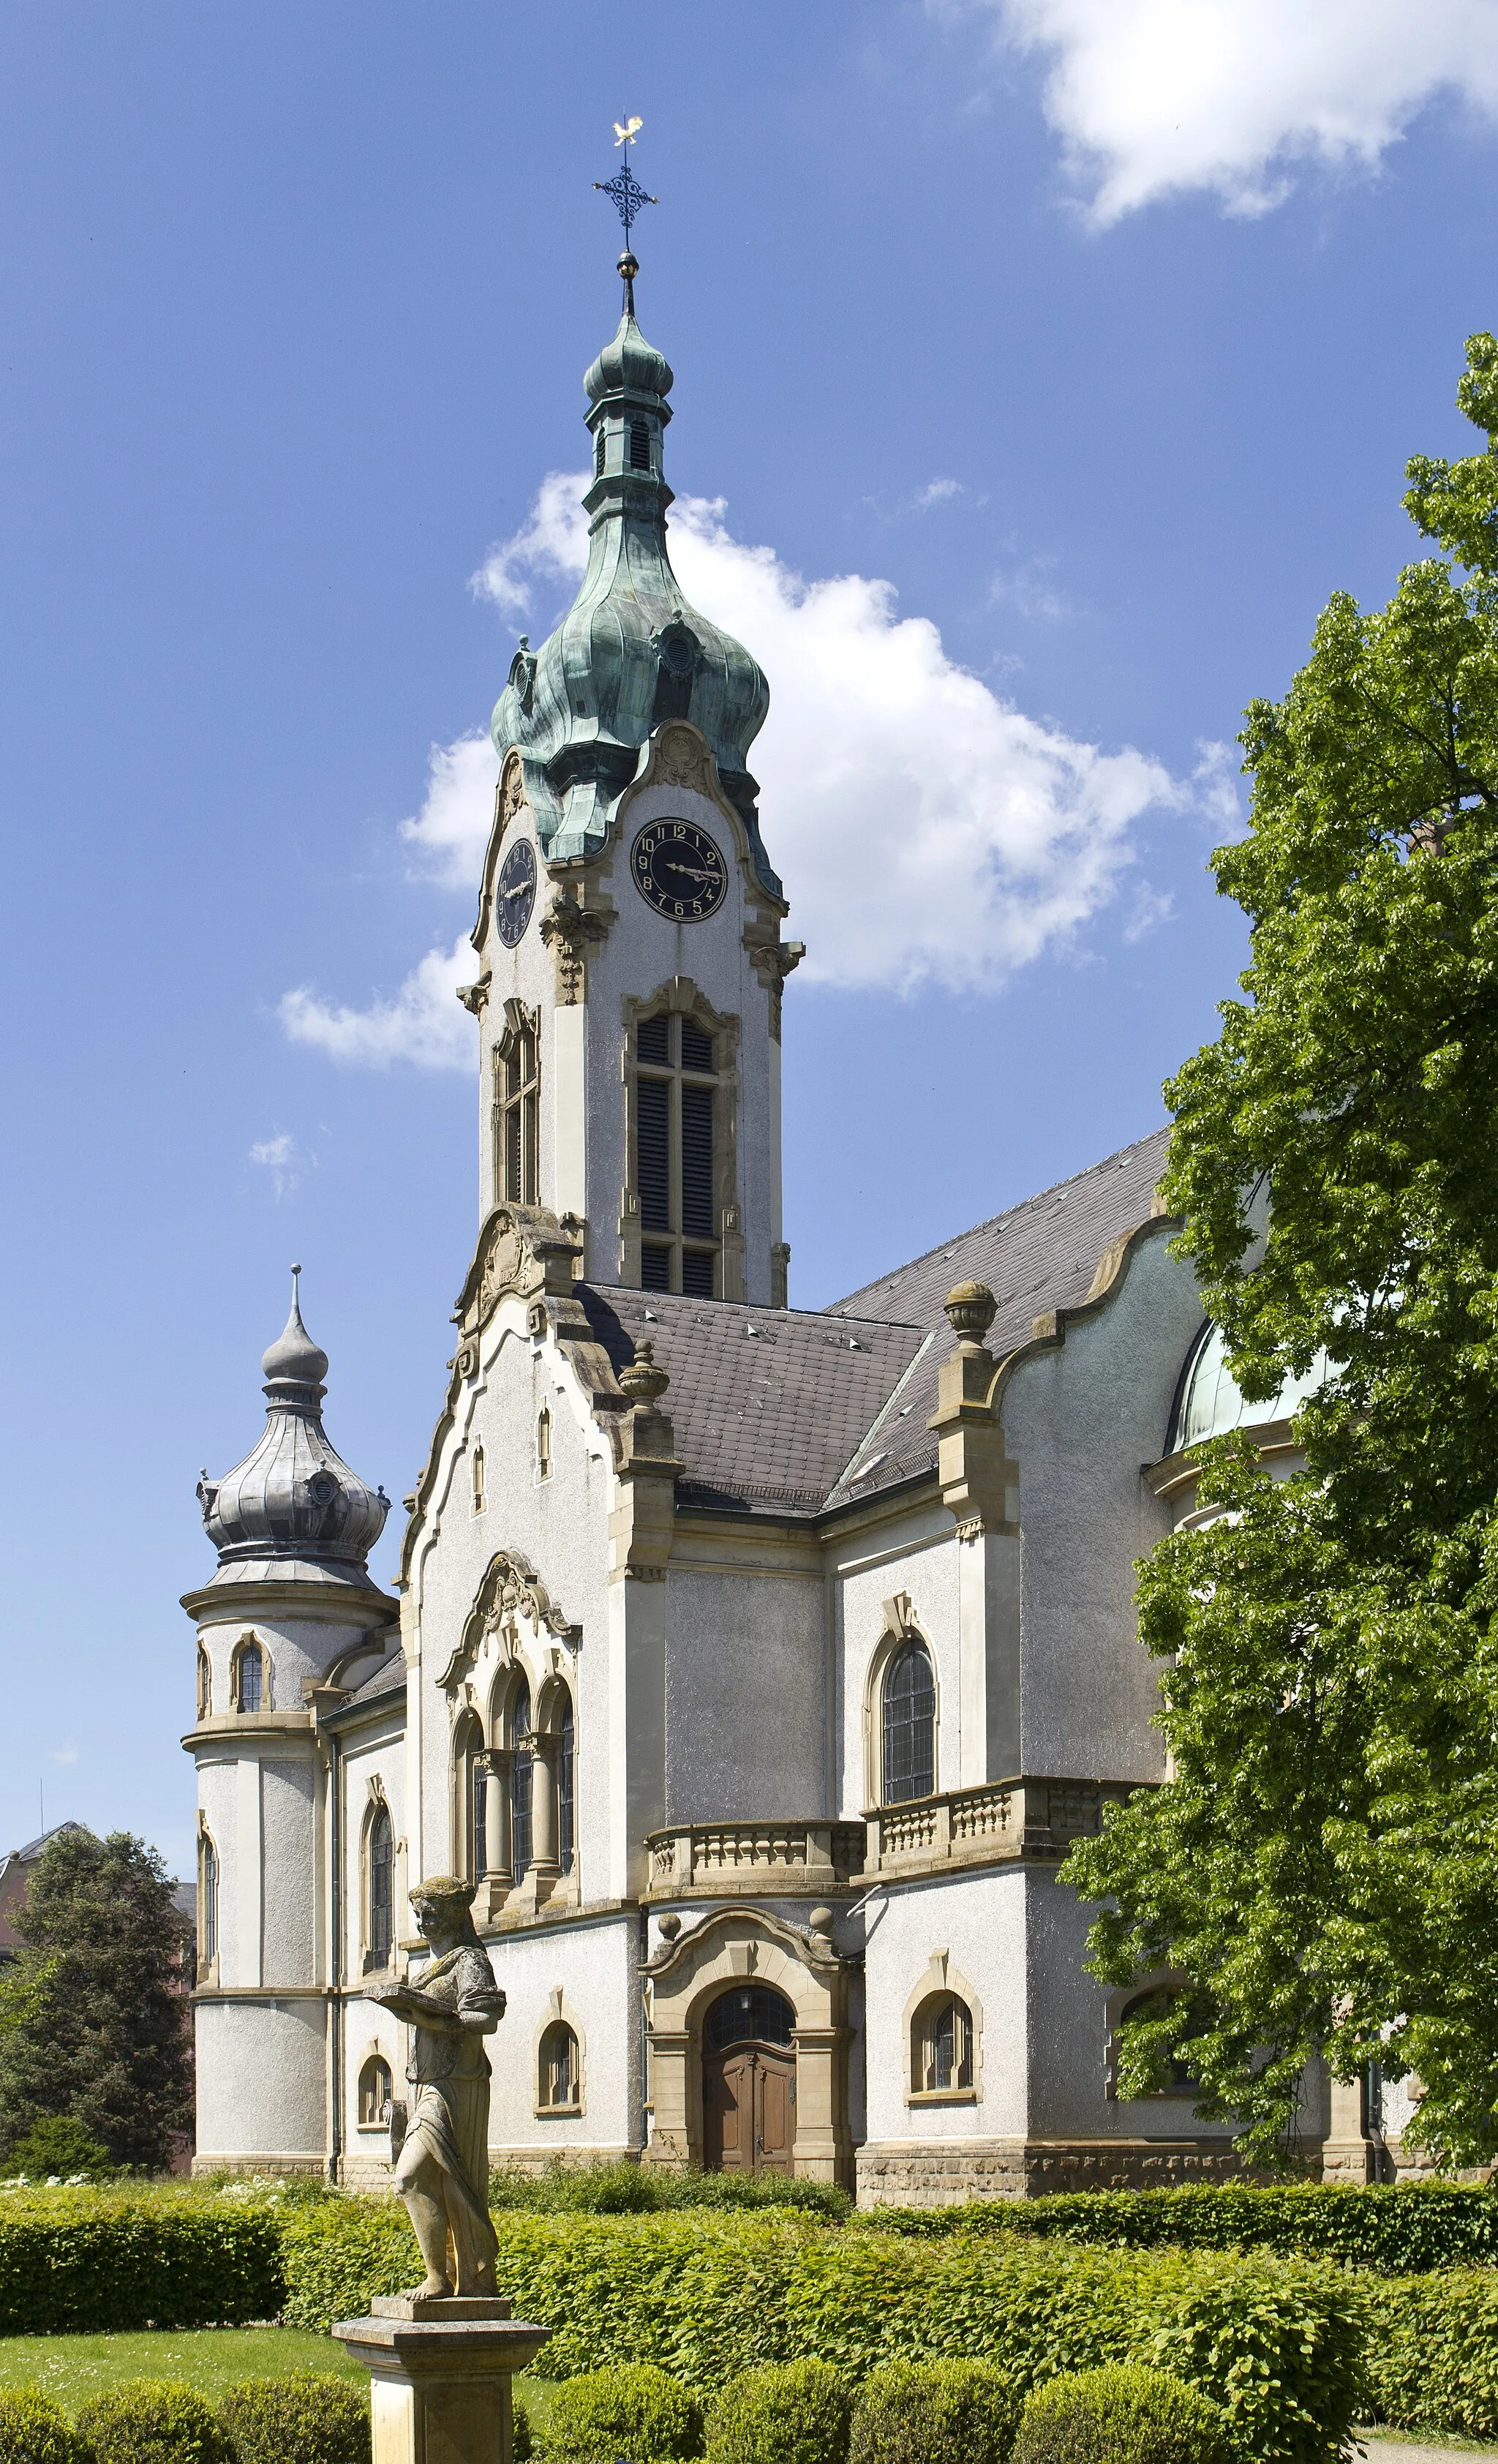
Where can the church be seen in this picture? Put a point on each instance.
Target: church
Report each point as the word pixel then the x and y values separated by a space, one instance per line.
pixel 758 1665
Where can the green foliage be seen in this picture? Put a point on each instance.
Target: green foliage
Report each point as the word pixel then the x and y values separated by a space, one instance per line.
pixel 59 2144
pixel 35 2431
pixel 632 2409
pixel 622 2189
pixel 1432 2353
pixel 1120 2416
pixel 1329 1650
pixel 1395 2231
pixel 935 2412
pixel 75 2260
pixel 789 2412
pixel 1274 2342
pixel 152 2421
pixel 303 2419
pixel 96 2026
pixel 522 2438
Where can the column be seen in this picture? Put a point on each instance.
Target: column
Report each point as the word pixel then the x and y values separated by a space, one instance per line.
pixel 543 1807
pixel 495 1768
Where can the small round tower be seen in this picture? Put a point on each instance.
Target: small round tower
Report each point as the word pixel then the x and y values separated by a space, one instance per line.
pixel 288 1624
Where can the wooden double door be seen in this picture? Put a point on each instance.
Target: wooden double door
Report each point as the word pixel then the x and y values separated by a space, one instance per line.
pixel 748 2109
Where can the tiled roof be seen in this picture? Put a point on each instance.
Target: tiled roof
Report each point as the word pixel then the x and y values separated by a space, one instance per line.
pixel 774 1410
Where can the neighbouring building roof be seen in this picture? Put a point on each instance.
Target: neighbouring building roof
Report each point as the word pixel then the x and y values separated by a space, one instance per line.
pixel 779 1411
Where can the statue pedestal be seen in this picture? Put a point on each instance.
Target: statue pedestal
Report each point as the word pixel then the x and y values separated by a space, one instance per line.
pixel 440 2377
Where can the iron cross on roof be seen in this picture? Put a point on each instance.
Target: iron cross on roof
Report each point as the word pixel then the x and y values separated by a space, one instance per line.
pixel 629 197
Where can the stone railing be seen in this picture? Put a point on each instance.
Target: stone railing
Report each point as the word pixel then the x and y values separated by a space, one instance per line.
pixel 715 1859
pixel 1015 1818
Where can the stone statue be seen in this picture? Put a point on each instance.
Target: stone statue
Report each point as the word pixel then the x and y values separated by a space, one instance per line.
pixel 442 2173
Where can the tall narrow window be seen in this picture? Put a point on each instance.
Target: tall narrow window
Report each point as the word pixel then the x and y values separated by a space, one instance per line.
pixel 558 2085
pixel 249 1676
pixel 543 1442
pixel 639 445
pixel 208 1903
pixel 910 1725
pixel 204 1685
pixel 677 1090
pixel 942 2047
pixel 518 1114
pixel 566 1817
pixel 598 455
pixel 382 1889
pixel 479 1784
pixel 521 1774
pixel 478 1477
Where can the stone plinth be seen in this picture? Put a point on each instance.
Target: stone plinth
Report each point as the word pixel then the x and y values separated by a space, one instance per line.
pixel 440 2377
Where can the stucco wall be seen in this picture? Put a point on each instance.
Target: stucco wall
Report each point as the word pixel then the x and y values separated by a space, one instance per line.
pixel 745 1698
pixel 980 1923
pixel 262 2080
pixel 915 1553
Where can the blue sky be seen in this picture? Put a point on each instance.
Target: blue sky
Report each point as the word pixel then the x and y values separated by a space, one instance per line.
pixel 1089 336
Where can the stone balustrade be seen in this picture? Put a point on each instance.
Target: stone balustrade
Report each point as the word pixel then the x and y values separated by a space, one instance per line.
pixel 715 1859
pixel 1014 1818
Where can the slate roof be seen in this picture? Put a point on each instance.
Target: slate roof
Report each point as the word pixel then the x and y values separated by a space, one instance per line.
pixel 776 1411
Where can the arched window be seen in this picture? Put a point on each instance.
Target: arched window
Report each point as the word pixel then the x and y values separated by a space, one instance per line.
pixel 468 1792
pixel 208 1903
pixel 374 2094
pixel 478 1477
pixel 543 1444
pixel 749 2015
pixel 382 1889
pixel 1180 2078
pixel 521 1778
pixel 942 2047
pixel 517 1110
pixel 204 1685
pixel 559 2083
pixel 249 1678
pixel 910 1725
pixel 566 1816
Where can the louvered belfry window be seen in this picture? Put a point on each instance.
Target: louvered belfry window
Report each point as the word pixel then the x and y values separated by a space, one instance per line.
pixel 675 1099
pixel 517 1115
pixel 639 445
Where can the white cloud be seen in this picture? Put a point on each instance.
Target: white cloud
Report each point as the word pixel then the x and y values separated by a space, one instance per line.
pixel 424 1023
pixel 63 1755
pixel 278 1157
pixel 1156 96
pixel 926 830
pixel 1215 786
pixel 458 808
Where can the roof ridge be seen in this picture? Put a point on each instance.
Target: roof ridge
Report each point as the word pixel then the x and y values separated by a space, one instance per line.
pixel 986 1223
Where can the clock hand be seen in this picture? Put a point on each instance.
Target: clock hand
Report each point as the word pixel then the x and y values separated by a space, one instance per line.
pixel 688 871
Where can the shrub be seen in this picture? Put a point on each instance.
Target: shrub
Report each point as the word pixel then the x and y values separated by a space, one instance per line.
pixel 1432 2353
pixel 523 2440
pixel 34 2431
pixel 793 2412
pixel 152 2421
pixel 91 2261
pixel 1395 2230
pixel 621 2188
pixel 1127 2415
pixel 935 2412
pixel 56 2145
pixel 632 2409
pixel 305 2417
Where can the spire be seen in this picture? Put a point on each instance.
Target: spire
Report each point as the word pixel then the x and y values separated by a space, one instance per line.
pixel 293 1511
pixel 631 652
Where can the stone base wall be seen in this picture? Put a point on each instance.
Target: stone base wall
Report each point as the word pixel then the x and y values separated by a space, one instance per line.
pixel 313 2166
pixel 937 2173
pixel 536 2160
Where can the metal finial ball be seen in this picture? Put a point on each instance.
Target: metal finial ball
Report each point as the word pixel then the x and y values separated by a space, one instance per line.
pixel 628 265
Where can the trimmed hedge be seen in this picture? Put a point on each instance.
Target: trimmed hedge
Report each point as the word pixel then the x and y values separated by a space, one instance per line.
pixel 35 2431
pixel 935 2412
pixel 79 2262
pixel 621 2188
pixel 1275 2343
pixel 631 2410
pixel 151 2421
pixel 1431 2358
pixel 1125 2415
pixel 303 2418
pixel 1394 2230
pixel 791 2412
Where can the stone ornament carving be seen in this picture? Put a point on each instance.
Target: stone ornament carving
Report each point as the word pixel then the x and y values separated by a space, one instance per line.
pixel 474 996
pixel 522 1249
pixel 511 1590
pixel 773 960
pixel 642 1380
pixel 683 759
pixel 970 1312
pixel 510 793
pixel 441 2174
pixel 570 930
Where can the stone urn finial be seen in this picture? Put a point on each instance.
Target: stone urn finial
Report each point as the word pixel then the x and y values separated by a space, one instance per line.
pixel 971 1310
pixel 642 1381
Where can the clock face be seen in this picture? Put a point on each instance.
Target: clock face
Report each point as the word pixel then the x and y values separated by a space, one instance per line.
pixel 679 869
pixel 514 892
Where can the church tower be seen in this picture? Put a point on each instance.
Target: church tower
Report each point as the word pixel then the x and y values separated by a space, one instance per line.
pixel 629 928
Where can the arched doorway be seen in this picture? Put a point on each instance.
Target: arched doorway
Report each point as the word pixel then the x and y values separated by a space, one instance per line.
pixel 748 2081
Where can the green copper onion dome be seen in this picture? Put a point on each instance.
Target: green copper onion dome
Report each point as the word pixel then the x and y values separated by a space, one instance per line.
pixel 632 652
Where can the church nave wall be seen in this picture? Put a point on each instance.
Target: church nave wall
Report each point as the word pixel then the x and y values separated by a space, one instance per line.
pixel 747 1697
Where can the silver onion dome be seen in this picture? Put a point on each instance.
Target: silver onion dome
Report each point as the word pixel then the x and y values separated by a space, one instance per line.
pixel 293 1503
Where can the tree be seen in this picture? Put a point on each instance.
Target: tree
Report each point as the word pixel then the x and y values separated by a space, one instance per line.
pixel 1322 1867
pixel 94 2023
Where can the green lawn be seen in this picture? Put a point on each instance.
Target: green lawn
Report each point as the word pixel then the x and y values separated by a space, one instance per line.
pixel 72 2368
